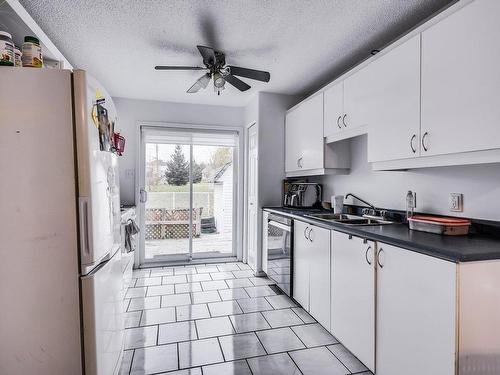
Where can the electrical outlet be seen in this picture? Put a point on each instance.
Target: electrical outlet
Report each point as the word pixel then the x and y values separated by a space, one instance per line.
pixel 456 202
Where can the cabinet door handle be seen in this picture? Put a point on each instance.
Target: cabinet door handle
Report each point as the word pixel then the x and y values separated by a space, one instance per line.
pixel 366 255
pixel 379 255
pixel 343 120
pixel 299 162
pixel 310 237
pixel 338 122
pixel 411 143
pixel 423 140
pixel 305 235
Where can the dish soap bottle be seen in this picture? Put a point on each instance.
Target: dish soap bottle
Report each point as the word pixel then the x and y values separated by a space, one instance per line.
pixel 411 203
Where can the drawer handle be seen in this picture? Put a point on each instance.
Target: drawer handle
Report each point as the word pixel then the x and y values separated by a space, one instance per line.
pixel 299 162
pixel 338 122
pixel 343 120
pixel 310 237
pixel 423 141
pixel 411 143
pixel 305 235
pixel 380 252
pixel 366 255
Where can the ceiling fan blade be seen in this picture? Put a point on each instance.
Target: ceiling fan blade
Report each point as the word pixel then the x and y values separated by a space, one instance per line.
pixel 201 83
pixel 258 75
pixel 236 82
pixel 208 54
pixel 166 67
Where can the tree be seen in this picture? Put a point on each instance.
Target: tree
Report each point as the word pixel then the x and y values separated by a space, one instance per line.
pixel 177 172
pixel 221 157
pixel 197 172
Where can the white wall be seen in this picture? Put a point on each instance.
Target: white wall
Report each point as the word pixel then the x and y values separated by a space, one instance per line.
pixel 480 185
pixel 132 111
pixel 268 110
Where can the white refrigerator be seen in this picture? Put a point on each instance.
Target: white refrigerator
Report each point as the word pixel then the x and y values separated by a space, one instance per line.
pixel 61 279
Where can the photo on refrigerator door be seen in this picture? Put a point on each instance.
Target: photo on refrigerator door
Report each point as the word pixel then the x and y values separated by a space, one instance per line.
pixel 189 209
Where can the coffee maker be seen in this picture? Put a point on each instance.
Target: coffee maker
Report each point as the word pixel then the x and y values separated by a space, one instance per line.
pixel 302 194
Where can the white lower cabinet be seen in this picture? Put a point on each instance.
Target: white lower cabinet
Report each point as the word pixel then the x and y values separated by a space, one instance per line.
pixel 353 295
pixel 319 276
pixel 416 313
pixel 397 310
pixel 301 264
pixel 311 270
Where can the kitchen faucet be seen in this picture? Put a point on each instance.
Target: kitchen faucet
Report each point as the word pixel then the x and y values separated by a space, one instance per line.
pixel 372 212
pixel 361 200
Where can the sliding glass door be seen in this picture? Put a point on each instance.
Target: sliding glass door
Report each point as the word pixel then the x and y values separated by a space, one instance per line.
pixel 188 189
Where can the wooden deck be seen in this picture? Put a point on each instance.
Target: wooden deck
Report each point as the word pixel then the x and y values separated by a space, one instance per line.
pixel 206 243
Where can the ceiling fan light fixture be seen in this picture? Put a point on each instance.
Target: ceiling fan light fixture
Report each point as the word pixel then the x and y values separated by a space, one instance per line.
pixel 219 81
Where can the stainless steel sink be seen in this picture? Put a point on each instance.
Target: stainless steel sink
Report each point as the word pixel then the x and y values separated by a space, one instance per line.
pixel 348 219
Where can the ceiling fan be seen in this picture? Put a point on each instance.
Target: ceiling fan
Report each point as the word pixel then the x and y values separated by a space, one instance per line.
pixel 216 69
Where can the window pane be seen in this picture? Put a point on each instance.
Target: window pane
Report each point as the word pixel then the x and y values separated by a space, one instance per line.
pixel 213 197
pixel 167 208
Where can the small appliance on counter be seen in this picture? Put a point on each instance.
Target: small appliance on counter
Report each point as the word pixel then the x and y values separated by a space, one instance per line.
pixel 449 226
pixel 302 194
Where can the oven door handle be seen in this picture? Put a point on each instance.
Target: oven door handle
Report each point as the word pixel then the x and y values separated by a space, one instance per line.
pixel 279 225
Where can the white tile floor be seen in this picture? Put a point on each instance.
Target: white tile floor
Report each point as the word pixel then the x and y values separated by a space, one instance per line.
pixel 221 320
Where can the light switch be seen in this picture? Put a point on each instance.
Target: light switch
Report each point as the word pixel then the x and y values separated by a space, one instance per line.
pixel 456 202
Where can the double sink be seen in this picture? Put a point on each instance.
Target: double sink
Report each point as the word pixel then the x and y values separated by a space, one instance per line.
pixel 348 219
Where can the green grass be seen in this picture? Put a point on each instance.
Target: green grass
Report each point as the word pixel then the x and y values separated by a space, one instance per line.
pixel 201 187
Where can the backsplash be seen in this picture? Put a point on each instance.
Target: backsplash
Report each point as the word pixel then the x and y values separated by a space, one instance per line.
pixel 480 185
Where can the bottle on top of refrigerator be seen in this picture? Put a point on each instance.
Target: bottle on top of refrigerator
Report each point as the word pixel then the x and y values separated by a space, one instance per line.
pixel 17 57
pixel 6 49
pixel 32 52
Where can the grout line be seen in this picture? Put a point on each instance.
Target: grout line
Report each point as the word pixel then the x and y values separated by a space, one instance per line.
pixel 248 364
pixel 178 356
pixel 222 351
pixel 261 313
pixel 195 328
pixel 258 338
pixel 296 365
pixel 140 318
pixel 232 325
pixel 303 343
pixel 131 362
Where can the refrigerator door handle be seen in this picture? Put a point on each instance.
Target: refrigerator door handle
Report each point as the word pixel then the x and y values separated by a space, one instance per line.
pixel 84 225
pixel 143 196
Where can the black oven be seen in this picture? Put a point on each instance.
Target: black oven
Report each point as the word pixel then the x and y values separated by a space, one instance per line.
pixel 278 251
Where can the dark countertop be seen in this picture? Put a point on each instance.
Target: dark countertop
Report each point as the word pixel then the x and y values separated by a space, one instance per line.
pixel 473 247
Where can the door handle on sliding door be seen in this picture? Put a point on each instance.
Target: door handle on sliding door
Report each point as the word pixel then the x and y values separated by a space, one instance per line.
pixel 143 196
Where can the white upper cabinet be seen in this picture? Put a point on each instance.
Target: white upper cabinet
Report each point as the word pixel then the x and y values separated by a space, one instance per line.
pixel 393 104
pixel 334 109
pixel 461 81
pixel 416 313
pixel 356 97
pixel 292 140
pixel 304 136
pixel 306 153
pixel 345 107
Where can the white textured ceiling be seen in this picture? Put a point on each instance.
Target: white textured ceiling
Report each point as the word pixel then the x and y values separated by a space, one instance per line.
pixel 304 44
